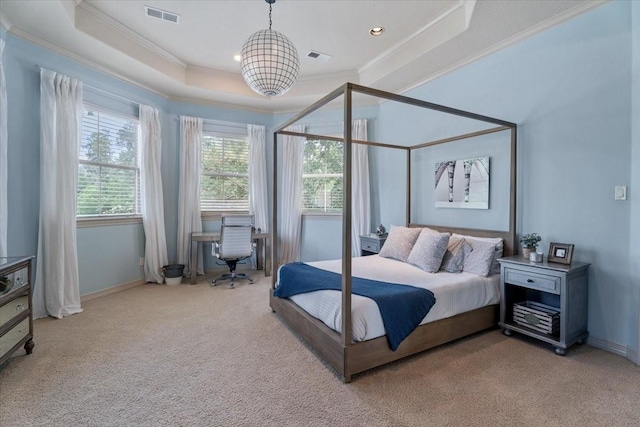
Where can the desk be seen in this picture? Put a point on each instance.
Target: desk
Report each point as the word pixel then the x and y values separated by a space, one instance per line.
pixel 262 242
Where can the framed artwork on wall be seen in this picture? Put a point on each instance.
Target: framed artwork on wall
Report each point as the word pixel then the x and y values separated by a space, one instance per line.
pixel 560 253
pixel 462 183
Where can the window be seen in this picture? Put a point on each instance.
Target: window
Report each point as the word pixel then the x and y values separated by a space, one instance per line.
pixel 108 173
pixel 322 176
pixel 224 186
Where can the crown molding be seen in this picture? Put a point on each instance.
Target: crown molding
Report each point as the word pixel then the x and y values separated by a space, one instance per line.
pixel 408 41
pixel 5 23
pixel 95 13
pixel 81 60
pixel 551 22
pixel 225 105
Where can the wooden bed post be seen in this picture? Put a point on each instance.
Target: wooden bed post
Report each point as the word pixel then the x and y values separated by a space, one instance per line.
pixel 346 222
pixel 512 202
pixel 408 220
pixel 275 261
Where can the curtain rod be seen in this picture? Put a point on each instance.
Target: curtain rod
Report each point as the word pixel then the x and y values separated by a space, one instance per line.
pixel 337 122
pixel 222 122
pixel 97 89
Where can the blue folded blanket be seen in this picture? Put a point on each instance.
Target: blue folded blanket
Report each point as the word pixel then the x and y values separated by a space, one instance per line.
pixel 402 307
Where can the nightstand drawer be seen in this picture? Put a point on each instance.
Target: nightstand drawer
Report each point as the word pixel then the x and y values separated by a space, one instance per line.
pixel 532 280
pixel 370 246
pixel 13 308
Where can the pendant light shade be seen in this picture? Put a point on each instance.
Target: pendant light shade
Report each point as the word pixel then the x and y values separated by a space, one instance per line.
pixel 269 63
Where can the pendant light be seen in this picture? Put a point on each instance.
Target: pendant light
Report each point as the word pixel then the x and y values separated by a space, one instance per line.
pixel 269 63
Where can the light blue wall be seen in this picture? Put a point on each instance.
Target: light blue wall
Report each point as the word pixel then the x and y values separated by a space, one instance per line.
pixel 108 256
pixel 496 147
pixel 634 184
pixel 568 88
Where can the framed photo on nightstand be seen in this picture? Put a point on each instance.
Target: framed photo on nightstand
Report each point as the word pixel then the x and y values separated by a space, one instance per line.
pixel 560 253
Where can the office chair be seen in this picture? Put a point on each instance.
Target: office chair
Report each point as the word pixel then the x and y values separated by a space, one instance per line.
pixel 235 244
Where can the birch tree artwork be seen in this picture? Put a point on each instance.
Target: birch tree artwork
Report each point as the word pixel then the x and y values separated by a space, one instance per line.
pixel 462 183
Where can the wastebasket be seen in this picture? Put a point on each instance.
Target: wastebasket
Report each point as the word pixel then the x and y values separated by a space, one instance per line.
pixel 172 273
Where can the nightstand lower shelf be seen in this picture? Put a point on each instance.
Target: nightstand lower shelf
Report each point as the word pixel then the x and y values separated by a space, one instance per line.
pixel 554 340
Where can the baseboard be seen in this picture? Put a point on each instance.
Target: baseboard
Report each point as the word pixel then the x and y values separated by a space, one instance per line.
pixel 633 356
pixel 619 349
pixel 109 291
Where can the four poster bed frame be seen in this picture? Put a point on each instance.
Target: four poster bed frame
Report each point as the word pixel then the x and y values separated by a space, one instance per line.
pixel 337 349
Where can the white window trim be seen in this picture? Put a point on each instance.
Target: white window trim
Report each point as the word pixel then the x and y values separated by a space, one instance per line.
pixel 84 221
pixel 311 214
pixel 107 220
pixel 241 132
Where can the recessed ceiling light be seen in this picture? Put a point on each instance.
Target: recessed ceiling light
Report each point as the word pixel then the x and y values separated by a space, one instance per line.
pixel 376 31
pixel 237 58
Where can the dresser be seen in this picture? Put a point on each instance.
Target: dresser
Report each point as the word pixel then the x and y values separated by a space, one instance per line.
pixel 544 300
pixel 370 245
pixel 16 316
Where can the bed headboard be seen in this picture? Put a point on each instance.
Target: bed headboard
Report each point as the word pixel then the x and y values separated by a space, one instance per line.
pixel 507 237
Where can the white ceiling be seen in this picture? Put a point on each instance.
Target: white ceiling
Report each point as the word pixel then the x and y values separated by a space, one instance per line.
pixel 193 60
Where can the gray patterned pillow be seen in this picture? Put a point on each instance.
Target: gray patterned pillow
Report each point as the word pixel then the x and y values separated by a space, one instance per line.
pixel 428 250
pixel 457 251
pixel 480 259
pixel 399 243
pixel 499 245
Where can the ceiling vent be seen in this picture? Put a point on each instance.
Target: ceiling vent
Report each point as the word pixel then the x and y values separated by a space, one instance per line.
pixel 319 56
pixel 162 14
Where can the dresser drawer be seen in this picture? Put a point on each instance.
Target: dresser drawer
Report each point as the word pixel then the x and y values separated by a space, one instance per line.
pixel 14 336
pixel 13 308
pixel 532 280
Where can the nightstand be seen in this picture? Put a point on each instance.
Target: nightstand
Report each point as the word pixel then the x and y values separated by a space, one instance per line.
pixel 370 245
pixel 544 300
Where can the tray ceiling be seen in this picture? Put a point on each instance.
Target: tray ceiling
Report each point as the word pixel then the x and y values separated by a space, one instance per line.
pixel 192 60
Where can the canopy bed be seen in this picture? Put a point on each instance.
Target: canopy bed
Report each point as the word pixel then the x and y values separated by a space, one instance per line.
pixel 350 352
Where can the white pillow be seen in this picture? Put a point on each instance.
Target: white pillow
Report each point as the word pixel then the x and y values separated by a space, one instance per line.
pixel 399 243
pixel 457 251
pixel 499 249
pixel 428 250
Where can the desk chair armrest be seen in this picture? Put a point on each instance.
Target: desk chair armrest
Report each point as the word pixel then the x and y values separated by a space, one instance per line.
pixel 215 249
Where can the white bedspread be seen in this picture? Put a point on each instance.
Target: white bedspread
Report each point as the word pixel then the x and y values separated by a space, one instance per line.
pixel 455 294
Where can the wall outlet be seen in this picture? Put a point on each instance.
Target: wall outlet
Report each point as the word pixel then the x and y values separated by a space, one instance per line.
pixel 621 192
pixel 141 261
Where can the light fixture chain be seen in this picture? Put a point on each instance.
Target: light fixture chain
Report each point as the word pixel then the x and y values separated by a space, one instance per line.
pixel 269 16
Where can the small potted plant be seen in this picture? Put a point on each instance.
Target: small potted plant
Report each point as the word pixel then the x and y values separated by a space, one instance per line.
pixel 529 243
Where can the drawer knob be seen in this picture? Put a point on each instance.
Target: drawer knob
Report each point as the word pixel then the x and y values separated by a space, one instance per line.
pixel 529 280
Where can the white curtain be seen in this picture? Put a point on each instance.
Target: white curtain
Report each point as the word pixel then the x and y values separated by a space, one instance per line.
pixel 361 212
pixel 57 287
pixel 189 220
pixel 291 205
pixel 150 148
pixel 3 159
pixel 258 195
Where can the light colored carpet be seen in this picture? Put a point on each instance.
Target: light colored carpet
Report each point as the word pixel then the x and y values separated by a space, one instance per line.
pixel 200 356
